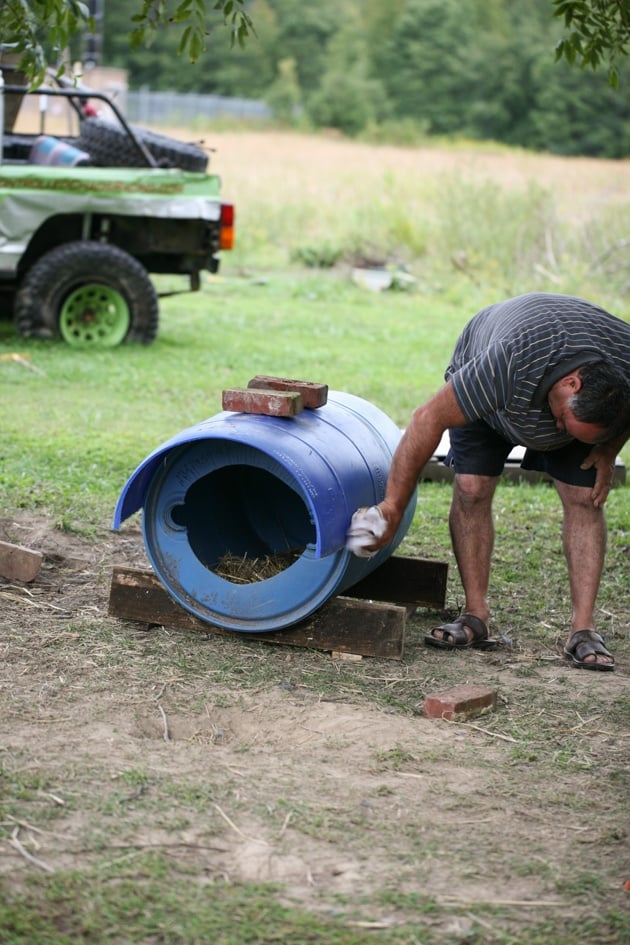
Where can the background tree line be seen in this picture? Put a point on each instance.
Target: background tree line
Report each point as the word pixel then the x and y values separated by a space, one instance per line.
pixel 482 69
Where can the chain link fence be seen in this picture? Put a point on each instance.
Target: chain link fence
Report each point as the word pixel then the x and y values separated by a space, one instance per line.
pixel 174 108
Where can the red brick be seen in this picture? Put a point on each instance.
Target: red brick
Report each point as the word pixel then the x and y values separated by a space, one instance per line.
pixel 270 403
pixel 18 563
pixel 461 702
pixel 314 395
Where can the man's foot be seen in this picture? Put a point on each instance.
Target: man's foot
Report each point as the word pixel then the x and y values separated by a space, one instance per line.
pixel 464 632
pixel 586 650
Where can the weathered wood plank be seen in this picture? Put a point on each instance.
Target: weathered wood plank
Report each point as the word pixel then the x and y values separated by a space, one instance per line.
pixel 343 625
pixel 405 581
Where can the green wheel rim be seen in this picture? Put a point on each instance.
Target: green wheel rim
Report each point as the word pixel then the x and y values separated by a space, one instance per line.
pixel 94 316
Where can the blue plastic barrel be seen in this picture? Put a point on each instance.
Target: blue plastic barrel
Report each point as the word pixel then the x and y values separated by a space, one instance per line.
pixel 254 486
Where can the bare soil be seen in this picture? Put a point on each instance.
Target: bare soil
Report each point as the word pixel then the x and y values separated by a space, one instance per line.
pixel 251 762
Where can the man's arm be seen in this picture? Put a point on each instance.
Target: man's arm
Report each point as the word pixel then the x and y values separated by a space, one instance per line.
pixel 417 446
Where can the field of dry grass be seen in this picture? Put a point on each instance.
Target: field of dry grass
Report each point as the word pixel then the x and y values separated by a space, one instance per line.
pixel 512 220
pixel 337 171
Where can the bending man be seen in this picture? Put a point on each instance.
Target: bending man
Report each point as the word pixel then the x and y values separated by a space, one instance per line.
pixel 548 372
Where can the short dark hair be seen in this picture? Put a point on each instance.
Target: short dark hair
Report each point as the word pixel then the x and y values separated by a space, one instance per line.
pixel 603 398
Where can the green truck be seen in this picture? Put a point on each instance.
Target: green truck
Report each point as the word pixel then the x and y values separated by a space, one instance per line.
pixel 85 219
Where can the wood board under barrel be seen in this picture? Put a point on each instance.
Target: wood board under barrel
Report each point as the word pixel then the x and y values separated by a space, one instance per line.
pixel 372 625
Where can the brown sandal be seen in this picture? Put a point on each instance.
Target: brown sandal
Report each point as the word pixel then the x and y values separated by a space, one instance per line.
pixel 455 636
pixel 588 643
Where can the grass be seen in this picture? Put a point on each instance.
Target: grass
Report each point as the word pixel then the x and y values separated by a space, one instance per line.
pixel 71 437
pixel 73 428
pixel 319 327
pixel 184 914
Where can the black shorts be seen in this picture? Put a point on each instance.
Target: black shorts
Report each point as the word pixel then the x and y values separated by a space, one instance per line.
pixel 478 450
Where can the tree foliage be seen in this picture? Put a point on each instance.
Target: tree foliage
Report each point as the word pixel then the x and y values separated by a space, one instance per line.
pixel 43 31
pixel 196 19
pixel 599 31
pixel 428 34
pixel 479 68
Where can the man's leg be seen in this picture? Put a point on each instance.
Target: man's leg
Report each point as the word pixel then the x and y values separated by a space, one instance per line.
pixel 584 545
pixel 472 535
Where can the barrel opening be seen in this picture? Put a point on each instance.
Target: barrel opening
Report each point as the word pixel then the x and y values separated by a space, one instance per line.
pixel 243 512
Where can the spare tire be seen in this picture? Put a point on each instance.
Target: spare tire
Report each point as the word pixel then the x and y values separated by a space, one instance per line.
pixel 109 145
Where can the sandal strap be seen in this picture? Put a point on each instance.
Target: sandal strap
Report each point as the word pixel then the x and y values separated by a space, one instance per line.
pixel 587 643
pixel 456 633
pixel 476 625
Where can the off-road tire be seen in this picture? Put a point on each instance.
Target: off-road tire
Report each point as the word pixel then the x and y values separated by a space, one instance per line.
pixel 47 286
pixel 109 145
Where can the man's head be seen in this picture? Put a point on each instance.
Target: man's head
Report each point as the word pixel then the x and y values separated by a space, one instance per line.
pixel 592 403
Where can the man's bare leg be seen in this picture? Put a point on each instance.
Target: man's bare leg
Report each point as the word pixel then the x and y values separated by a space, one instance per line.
pixel 472 536
pixel 584 545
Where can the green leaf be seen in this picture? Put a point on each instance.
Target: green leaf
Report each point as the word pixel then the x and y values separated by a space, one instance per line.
pixel 196 47
pixel 242 34
pixel 181 13
pixel 185 37
pixel 136 37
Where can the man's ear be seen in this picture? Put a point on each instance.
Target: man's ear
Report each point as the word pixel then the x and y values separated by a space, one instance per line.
pixel 572 383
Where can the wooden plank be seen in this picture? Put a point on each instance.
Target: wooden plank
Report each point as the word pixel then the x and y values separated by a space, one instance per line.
pixel 342 625
pixel 436 471
pixel 405 581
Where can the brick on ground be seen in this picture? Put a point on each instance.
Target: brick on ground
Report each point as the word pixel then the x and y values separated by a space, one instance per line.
pixel 460 703
pixel 18 563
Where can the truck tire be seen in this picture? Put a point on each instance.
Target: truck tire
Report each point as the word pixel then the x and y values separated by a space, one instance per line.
pixel 92 295
pixel 108 145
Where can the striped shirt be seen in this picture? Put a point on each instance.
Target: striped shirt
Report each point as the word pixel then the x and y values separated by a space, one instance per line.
pixel 510 355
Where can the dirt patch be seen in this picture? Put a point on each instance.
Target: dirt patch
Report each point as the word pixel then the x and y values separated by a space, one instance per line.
pixel 250 762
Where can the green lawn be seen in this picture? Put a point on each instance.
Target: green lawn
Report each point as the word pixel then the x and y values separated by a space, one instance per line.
pixel 76 424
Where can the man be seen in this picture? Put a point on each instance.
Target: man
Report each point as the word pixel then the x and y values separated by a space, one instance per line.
pixel 551 373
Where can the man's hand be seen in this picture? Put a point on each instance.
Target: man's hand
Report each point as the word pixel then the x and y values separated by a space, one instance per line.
pixel 603 459
pixel 370 530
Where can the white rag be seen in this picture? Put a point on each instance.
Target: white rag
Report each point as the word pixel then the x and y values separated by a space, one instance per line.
pixel 366 526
